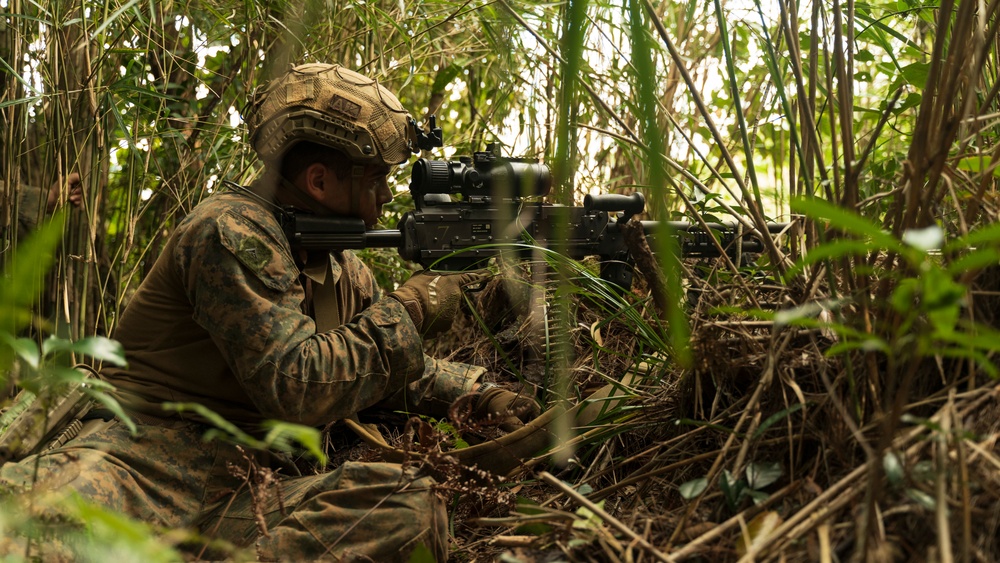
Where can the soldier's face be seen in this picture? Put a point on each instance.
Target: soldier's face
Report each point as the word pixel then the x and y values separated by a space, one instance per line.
pixel 363 199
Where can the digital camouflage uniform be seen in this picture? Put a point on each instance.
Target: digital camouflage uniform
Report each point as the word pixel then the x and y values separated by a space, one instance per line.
pixel 220 321
pixel 30 209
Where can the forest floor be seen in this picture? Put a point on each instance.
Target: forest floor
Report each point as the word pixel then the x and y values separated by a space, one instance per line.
pixel 767 447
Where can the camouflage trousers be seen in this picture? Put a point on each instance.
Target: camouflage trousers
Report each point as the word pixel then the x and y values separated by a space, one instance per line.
pixel 169 477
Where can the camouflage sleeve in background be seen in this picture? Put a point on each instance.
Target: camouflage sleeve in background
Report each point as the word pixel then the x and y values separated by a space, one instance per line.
pixel 29 206
pixel 243 286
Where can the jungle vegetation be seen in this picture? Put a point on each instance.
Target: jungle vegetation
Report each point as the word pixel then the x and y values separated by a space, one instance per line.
pixel 833 398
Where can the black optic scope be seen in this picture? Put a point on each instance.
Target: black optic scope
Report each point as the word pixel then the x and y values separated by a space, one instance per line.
pixel 485 177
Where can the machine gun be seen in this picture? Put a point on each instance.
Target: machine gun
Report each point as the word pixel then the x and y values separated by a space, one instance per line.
pixel 469 210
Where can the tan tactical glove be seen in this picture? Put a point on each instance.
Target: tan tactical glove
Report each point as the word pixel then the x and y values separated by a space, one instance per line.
pixel 433 298
pixel 508 409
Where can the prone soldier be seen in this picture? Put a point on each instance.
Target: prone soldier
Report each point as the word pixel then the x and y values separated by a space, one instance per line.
pixel 236 319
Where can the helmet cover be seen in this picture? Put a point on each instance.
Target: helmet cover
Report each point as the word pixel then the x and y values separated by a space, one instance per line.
pixel 331 106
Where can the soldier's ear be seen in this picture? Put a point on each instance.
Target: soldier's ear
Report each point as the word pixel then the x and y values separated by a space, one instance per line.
pixel 314 181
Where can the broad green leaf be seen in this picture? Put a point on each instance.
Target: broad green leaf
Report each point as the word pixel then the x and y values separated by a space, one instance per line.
pixel 691 489
pixel 915 74
pixel 762 474
pixel 24 348
pixel 979 164
pixel 100 348
pixel 65 375
pixel 893 468
pixel 905 295
pixel 847 221
pixel 26 268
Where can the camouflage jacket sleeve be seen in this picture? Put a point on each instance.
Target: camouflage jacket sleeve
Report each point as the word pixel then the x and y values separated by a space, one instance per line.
pixel 28 205
pixel 30 209
pixel 243 285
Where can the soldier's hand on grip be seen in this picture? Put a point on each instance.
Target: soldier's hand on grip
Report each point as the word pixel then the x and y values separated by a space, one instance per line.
pixel 433 298
pixel 509 410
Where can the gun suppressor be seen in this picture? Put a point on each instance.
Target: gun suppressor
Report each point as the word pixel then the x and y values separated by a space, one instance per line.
pixel 312 232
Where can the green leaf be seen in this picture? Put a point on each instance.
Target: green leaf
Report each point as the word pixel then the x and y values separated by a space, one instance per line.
pixel 975 260
pixel 98 347
pixel 789 316
pixel 24 348
pixel 978 164
pixel 112 536
pixel 757 496
pixel 229 431
pixel 279 433
pixel 893 468
pixel 760 475
pixel 112 405
pixel 905 294
pixel 65 375
pixel 872 344
pixel 838 249
pixel 444 77
pixel 864 56
pixel 731 488
pixel 847 221
pixel 989 234
pixel 774 418
pixel 691 489
pixel 921 498
pixel 26 267
pixel 588 519
pixel 915 74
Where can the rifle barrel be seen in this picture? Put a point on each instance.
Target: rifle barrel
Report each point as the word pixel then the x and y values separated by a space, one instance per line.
pixel 695 242
pixel 649 227
pixel 384 238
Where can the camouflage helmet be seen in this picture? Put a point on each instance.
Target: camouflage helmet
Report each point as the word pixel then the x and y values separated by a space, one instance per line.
pixel 331 106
